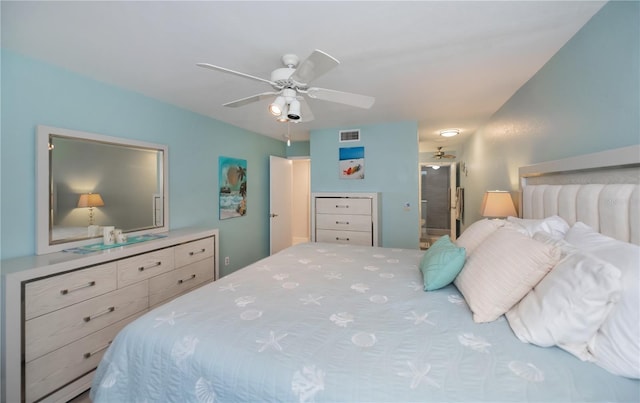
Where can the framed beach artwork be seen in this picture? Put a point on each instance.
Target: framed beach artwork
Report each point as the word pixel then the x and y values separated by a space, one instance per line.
pixel 233 187
pixel 351 163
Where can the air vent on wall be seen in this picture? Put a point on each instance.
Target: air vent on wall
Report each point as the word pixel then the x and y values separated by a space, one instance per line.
pixel 349 135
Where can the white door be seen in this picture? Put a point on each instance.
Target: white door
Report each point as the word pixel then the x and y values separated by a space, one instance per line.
pixel 280 203
pixel 453 187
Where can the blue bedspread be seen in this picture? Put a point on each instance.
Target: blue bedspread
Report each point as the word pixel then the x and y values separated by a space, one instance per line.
pixel 330 323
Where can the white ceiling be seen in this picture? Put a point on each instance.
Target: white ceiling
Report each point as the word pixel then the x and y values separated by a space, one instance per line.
pixel 441 63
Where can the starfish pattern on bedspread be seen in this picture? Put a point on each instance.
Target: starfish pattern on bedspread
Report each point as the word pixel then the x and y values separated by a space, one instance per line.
pixel 418 374
pixel 271 342
pixel 169 319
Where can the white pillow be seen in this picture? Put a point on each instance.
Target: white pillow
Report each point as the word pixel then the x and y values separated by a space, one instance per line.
pixel 476 233
pixel 502 270
pixel 616 345
pixel 565 247
pixel 568 305
pixel 554 226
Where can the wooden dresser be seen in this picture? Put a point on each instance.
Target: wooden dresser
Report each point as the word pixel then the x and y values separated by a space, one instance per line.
pixel 350 218
pixel 62 310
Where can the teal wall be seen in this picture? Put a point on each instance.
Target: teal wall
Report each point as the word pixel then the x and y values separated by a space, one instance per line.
pixel 391 168
pixel 585 99
pixel 298 149
pixel 36 93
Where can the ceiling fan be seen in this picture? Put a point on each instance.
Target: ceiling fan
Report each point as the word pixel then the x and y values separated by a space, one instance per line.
pixel 290 83
pixel 440 154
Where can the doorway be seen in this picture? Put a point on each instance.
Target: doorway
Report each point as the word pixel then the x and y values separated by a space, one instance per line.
pixel 437 202
pixel 289 202
pixel 301 194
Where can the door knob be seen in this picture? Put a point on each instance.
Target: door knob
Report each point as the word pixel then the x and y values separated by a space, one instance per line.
pixel 273 215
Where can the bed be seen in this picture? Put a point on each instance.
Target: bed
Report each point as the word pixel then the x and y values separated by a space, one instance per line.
pixel 330 322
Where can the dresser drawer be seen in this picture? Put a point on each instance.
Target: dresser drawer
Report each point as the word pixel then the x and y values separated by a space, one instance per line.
pixel 50 294
pixel 176 282
pixel 49 372
pixel 142 267
pixel 345 205
pixel 344 222
pixel 49 332
pixel 194 251
pixel 348 237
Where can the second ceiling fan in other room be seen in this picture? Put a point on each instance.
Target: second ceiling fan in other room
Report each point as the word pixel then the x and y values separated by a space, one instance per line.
pixel 291 83
pixel 441 154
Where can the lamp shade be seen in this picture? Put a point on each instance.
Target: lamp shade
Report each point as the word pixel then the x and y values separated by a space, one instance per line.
pixel 497 204
pixel 90 200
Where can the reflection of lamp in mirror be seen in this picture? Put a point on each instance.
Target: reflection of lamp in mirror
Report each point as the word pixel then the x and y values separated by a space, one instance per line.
pixel 497 204
pixel 90 200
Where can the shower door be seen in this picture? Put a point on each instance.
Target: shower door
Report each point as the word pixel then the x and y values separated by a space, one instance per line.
pixel 437 202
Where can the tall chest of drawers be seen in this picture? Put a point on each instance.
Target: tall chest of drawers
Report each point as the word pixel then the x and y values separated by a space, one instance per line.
pixel 350 218
pixel 63 310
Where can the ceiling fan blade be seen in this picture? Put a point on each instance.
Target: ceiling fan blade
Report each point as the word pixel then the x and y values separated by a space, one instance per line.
pixel 251 99
pixel 317 64
pixel 347 98
pixel 237 73
pixel 305 110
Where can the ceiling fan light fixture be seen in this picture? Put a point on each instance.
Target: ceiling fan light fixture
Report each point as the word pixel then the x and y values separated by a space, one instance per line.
pixel 277 107
pixel 283 116
pixel 449 132
pixel 294 110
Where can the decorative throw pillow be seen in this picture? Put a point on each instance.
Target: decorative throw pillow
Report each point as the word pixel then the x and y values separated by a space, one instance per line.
pixel 502 270
pixel 554 226
pixel 568 305
pixel 441 263
pixel 476 233
pixel 616 345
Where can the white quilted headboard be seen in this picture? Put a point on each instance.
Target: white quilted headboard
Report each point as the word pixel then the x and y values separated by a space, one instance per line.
pixel 602 190
pixel 613 210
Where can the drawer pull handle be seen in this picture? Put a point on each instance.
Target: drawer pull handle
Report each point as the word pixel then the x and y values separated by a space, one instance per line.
pixel 196 252
pixel 342 222
pixel 187 279
pixel 342 206
pixel 143 268
pixel 94 352
pixel 108 310
pixel 341 239
pixel 68 290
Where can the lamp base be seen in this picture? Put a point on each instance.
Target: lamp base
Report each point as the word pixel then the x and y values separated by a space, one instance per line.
pixel 90 216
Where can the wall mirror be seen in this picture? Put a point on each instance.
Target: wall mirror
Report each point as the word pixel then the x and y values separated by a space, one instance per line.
pixel 86 181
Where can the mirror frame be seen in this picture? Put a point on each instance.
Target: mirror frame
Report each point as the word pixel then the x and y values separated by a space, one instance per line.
pixel 43 195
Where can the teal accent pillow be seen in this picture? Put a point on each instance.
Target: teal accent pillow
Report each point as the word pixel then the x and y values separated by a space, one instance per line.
pixel 441 263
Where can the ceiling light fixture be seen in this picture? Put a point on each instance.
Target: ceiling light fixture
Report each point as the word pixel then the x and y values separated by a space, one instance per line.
pixel 277 107
pixel 294 110
pixel 283 116
pixel 286 107
pixel 449 132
